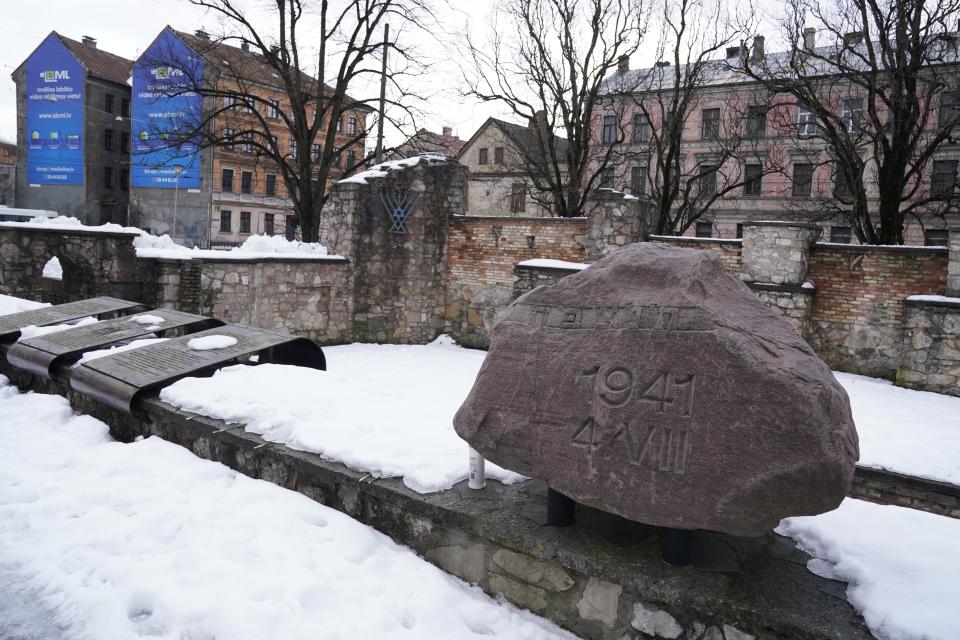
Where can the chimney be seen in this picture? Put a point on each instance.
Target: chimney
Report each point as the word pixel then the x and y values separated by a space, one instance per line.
pixel 733 52
pixel 757 54
pixel 853 38
pixel 203 35
pixel 90 41
pixel 245 46
pixel 448 132
pixel 623 63
pixel 663 63
pixel 539 120
pixel 809 39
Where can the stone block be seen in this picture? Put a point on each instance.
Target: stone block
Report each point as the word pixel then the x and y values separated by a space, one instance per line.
pixel 533 571
pixel 655 621
pixel 466 562
pixel 520 594
pixel 600 602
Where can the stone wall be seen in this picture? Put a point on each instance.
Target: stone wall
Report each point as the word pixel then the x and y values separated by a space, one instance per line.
pixel 483 252
pixel 931 346
pixel 399 277
pixel 857 319
pixel 306 297
pixel 794 303
pixel 94 264
pixel 614 220
pixel 529 278
pixel 777 252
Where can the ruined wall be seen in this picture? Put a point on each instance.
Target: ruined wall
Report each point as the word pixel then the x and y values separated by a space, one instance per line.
pixel 482 254
pixel 858 310
pixel 94 264
pixel 730 251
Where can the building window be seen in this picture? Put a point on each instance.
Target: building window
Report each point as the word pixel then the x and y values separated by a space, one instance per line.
pixel 806 121
pixel 943 179
pixel 108 177
pixel 351 125
pixel 638 180
pixel 292 149
pixel 248 106
pixel 756 121
pixel 271 186
pixel 753 180
pixel 840 235
pixel 125 179
pixel 949 109
pixel 226 182
pixel 315 153
pixel 228 134
pixel 710 124
pixel 851 114
pixel 268 224
pixel 225 221
pixel 244 222
pixel 739 230
pixel 125 107
pixel 841 184
pixel 498 155
pixel 482 155
pixel 108 103
pixel 108 139
pixel 351 158
pixel 936 238
pixel 518 197
pixel 641 128
pixel 704 230
pixel 124 142
pixel 609 129
pixel 336 157
pixel 802 179
pixel 247 145
pixel 246 182
pixel 228 103
pixel 273 144
pixel 708 180
pixel 606 178
pixel 273 109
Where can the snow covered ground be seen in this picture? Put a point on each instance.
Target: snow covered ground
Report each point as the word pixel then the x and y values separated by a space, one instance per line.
pixel 383 409
pixel 10 304
pixel 100 539
pixel 388 410
pixel 901 565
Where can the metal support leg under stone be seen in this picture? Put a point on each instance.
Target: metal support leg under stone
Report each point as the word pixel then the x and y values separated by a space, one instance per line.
pixel 676 546
pixel 560 509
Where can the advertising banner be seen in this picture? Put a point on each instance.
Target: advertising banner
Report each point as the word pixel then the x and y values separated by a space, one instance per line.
pixel 165 110
pixel 54 136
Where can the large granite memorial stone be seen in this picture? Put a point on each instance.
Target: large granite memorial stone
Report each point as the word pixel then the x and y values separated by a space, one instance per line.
pixel 655 385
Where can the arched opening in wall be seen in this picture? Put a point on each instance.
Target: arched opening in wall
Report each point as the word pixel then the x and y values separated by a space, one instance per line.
pixel 53 270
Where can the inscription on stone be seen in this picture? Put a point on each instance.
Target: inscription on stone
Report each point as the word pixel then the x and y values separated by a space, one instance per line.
pixel 656 385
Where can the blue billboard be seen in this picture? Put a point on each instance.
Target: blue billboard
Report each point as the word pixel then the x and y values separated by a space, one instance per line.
pixel 54 135
pixel 165 110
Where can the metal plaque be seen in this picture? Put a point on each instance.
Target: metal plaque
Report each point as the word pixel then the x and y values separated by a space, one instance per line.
pixel 41 355
pixel 119 379
pixel 11 324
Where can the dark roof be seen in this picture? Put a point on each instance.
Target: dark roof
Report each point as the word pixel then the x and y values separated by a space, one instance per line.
pixel 523 138
pixel 99 63
pixel 249 65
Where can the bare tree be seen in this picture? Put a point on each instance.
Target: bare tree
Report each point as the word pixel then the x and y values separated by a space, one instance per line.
pixel 661 102
pixel 874 106
pixel 239 87
pixel 546 62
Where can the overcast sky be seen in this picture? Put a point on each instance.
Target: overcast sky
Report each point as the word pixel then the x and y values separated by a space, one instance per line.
pixel 126 27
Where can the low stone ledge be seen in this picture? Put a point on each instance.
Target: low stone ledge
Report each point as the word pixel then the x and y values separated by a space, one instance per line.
pixel 932 301
pixel 781 288
pixel 866 248
pixel 227 260
pixel 66 230
pixel 782 223
pixel 889 487
pixel 693 239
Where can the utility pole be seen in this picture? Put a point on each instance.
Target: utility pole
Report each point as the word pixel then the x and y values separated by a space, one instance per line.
pixel 383 95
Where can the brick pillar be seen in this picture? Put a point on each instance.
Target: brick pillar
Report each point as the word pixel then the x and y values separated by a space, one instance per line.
pixel 775 260
pixel 953 268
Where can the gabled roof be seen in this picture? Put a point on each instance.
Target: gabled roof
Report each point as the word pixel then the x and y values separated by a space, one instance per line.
pixel 520 135
pixel 98 63
pixel 249 65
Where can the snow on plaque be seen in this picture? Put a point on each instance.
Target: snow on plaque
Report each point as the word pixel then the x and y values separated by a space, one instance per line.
pixel 655 385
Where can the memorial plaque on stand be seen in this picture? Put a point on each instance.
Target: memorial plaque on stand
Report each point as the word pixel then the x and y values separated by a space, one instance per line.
pixel 119 379
pixel 11 324
pixel 43 354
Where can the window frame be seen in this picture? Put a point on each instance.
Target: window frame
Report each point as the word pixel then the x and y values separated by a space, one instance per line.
pixel 518 197
pixel 939 186
pixel 713 123
pixel 498 155
pixel 609 132
pixel 225 186
pixel 757 121
pixel 482 156
pixel 228 219
pixel 246 182
pixel 752 186
pixel 270 185
pixel 246 221
pixel 269 226
pixel 638 173
pixel 108 178
pixel 707 175
pixel 838 233
pixel 108 139
pixel 806 119
pixel 642 128
pixel 851 115
pixel 794 183
pixel 699 227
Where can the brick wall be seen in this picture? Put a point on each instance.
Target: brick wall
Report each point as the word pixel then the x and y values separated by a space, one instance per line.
pixel 858 310
pixel 481 257
pixel 729 250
